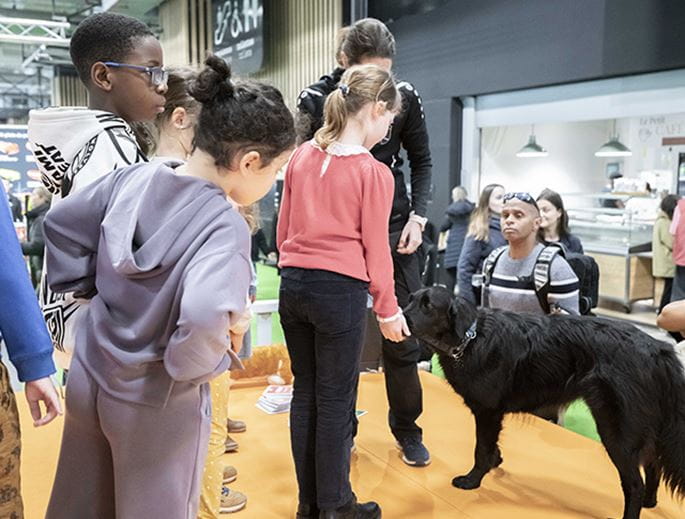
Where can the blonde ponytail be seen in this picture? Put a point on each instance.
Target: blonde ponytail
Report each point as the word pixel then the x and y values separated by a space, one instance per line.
pixel 335 117
pixel 479 224
pixel 359 85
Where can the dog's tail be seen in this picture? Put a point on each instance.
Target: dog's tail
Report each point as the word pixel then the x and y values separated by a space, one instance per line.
pixel 670 443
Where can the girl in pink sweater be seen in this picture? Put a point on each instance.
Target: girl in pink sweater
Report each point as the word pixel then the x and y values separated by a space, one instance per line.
pixel 333 241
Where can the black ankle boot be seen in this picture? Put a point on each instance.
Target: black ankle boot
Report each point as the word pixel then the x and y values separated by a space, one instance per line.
pixel 353 510
pixel 307 511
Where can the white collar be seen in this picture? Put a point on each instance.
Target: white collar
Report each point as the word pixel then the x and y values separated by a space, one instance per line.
pixel 342 150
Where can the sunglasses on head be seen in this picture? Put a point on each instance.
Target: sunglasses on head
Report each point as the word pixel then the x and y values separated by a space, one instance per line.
pixel 523 197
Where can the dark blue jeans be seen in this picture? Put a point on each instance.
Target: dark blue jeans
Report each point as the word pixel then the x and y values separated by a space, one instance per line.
pixel 323 315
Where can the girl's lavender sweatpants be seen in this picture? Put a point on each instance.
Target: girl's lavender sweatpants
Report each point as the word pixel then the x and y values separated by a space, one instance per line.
pixel 129 461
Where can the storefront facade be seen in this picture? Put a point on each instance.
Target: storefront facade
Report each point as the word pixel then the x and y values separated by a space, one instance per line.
pixel 462 50
pixel 574 74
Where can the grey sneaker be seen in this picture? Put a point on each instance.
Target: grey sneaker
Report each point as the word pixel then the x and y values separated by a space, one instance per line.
pixel 231 501
pixel 236 426
pixel 230 474
pixel 413 451
pixel 231 445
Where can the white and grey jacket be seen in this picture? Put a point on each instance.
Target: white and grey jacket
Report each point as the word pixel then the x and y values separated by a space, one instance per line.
pixel 74 146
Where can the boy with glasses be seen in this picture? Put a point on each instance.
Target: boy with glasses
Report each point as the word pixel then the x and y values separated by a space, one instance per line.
pixel 120 62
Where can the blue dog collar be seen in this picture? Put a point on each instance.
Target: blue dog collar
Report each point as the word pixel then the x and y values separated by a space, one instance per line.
pixel 458 352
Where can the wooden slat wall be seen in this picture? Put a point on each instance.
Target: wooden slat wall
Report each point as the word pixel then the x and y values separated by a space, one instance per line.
pixel 174 19
pixel 299 39
pixel 299 43
pixel 67 90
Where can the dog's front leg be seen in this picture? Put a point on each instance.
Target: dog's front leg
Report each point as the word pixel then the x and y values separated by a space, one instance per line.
pixel 652 477
pixel 487 454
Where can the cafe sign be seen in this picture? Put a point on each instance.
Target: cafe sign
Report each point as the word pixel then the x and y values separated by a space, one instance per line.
pixel 238 33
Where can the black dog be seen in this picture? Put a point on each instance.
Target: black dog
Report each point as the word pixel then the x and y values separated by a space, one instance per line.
pixel 502 362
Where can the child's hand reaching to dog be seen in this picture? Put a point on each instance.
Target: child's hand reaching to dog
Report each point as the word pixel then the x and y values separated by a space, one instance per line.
pixel 395 330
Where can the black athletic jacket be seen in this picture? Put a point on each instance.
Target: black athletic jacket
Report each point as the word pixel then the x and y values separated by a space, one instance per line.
pixel 408 132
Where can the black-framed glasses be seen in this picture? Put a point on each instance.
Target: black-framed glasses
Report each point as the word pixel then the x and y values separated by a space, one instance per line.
pixel 524 197
pixel 158 75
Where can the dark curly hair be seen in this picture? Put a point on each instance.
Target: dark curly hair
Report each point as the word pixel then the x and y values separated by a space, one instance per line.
pixel 237 116
pixel 104 37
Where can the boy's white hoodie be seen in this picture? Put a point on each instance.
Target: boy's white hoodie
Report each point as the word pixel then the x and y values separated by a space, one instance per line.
pixel 75 146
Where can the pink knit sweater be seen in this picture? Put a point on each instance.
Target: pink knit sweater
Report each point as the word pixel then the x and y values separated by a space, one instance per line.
pixel 334 216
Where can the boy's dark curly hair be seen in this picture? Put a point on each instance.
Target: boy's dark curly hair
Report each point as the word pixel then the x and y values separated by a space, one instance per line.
pixel 104 37
pixel 239 116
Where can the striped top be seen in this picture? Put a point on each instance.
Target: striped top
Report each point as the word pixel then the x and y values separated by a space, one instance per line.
pixel 511 287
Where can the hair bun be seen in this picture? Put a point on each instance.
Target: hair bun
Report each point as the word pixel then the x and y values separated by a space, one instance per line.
pixel 213 84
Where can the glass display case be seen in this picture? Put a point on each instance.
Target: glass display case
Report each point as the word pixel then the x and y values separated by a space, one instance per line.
pixel 616 230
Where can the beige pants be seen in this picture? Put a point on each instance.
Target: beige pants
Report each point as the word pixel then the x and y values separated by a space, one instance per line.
pixel 11 506
pixel 210 498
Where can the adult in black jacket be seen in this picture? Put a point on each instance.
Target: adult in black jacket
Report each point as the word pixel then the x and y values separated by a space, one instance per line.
pixel 34 246
pixel 370 41
pixel 457 223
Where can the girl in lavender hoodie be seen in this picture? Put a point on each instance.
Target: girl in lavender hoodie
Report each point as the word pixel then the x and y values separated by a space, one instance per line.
pixel 164 260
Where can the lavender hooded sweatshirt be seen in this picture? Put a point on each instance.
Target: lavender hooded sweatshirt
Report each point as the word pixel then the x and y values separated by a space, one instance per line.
pixel 165 262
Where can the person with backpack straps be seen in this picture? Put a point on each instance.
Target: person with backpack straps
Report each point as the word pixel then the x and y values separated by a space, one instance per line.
pixel 525 275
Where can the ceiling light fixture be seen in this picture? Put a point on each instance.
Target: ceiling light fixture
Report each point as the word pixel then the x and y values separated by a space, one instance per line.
pixel 613 148
pixel 532 149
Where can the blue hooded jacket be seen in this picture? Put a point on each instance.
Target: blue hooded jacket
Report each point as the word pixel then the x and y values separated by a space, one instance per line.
pixel 21 321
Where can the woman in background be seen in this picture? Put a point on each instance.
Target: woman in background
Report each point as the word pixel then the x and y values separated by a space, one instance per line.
pixel 483 236
pixel 554 222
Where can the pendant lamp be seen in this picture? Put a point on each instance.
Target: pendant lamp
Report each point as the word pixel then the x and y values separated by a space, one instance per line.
pixel 613 148
pixel 532 149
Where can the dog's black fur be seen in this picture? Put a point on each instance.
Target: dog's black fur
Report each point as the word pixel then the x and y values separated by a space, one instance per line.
pixel 633 384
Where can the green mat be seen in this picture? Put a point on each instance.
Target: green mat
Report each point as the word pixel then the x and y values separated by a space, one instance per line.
pixel 578 417
pixel 268 283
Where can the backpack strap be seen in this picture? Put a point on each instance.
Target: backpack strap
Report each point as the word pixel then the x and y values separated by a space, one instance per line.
pixel 488 269
pixel 542 271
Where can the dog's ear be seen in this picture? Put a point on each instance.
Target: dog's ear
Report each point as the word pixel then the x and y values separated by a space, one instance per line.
pixel 453 317
pixel 461 314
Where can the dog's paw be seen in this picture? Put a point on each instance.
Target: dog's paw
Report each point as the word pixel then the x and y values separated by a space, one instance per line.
pixel 467 482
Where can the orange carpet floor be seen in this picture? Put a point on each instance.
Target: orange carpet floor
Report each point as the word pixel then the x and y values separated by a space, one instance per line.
pixel 548 472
